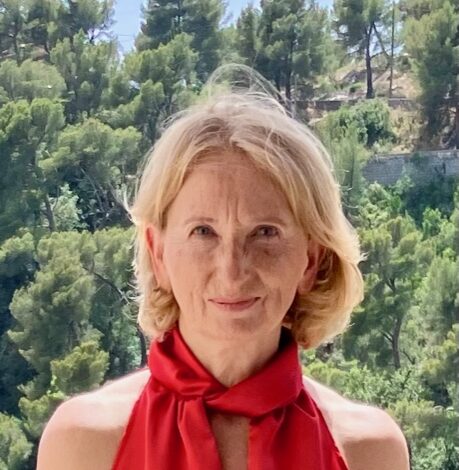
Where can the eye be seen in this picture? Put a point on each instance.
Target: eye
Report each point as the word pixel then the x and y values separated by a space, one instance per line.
pixel 271 234
pixel 204 227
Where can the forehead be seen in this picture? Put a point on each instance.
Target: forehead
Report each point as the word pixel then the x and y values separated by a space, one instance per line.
pixel 237 171
pixel 229 184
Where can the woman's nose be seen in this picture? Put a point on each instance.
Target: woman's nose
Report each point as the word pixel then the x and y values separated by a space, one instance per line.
pixel 233 259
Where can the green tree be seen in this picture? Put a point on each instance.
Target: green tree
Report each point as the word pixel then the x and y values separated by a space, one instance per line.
pixel 433 43
pixel 248 42
pixel 82 370
pixel 12 29
pixel 165 19
pixel 349 156
pixel 431 430
pixel 93 17
pixel 30 29
pixel 51 314
pixel 114 311
pixel 74 322
pixel 295 43
pixel 417 8
pixel 161 81
pixel 28 132
pixel 15 449
pixel 17 268
pixel 358 23
pixel 371 120
pixel 96 161
pixel 29 80
pixel 392 271
pixel 86 68
pixel 66 213
pixel 44 19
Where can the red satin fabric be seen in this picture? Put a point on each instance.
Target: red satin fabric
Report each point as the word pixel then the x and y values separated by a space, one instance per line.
pixel 169 430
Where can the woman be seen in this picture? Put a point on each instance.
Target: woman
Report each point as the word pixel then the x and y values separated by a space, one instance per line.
pixel 242 254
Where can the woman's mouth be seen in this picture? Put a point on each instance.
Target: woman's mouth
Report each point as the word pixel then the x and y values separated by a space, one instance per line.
pixel 234 305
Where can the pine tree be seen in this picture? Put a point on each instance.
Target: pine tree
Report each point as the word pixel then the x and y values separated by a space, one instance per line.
pixel 295 43
pixel 200 19
pixel 248 41
pixel 433 43
pixel 358 23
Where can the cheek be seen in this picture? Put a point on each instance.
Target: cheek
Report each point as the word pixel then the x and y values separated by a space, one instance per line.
pixel 186 265
pixel 279 267
pixel 283 267
pixel 267 258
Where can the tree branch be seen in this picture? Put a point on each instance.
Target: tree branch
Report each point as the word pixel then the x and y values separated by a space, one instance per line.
pixel 120 293
pixel 387 336
pixel 410 358
pixel 378 35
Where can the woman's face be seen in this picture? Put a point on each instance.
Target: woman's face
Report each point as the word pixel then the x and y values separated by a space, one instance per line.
pixel 230 234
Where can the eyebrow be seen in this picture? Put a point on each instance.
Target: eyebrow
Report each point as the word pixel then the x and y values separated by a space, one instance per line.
pixel 268 219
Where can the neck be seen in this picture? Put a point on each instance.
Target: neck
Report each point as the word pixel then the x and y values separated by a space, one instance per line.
pixel 230 362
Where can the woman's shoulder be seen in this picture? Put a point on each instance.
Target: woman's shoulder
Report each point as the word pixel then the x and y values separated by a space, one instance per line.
pixel 89 426
pixel 367 436
pixel 109 406
pixel 95 421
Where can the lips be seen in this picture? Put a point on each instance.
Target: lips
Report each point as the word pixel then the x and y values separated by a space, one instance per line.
pixel 225 300
pixel 243 306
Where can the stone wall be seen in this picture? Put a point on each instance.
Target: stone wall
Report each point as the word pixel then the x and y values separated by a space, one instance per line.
pixel 334 105
pixel 422 167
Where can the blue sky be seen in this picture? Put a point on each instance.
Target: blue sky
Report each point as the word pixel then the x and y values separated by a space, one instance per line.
pixel 128 16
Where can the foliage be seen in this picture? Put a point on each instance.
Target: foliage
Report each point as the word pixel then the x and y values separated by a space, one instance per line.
pixel 349 156
pixel 76 119
pixel 357 24
pixel 85 68
pixel 14 446
pixel 28 130
pixel 29 80
pixel 432 42
pixel 291 42
pixel 81 370
pixel 158 86
pixel 95 161
pixel 65 209
pixel 52 313
pixel 436 194
pixel 165 19
pixel 370 119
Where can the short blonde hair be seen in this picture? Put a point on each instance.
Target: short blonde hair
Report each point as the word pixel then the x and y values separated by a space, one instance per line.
pixel 255 125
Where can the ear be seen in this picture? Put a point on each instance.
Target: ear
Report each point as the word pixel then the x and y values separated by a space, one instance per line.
pixel 155 246
pixel 315 254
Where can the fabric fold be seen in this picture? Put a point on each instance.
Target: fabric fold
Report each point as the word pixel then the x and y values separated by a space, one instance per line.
pixel 169 429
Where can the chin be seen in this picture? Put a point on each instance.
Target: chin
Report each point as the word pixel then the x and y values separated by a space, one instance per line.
pixel 233 328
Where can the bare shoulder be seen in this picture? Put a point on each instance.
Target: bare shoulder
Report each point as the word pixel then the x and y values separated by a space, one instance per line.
pixel 85 430
pixel 130 383
pixel 367 436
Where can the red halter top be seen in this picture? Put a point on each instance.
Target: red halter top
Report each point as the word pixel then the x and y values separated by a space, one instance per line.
pixel 168 428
